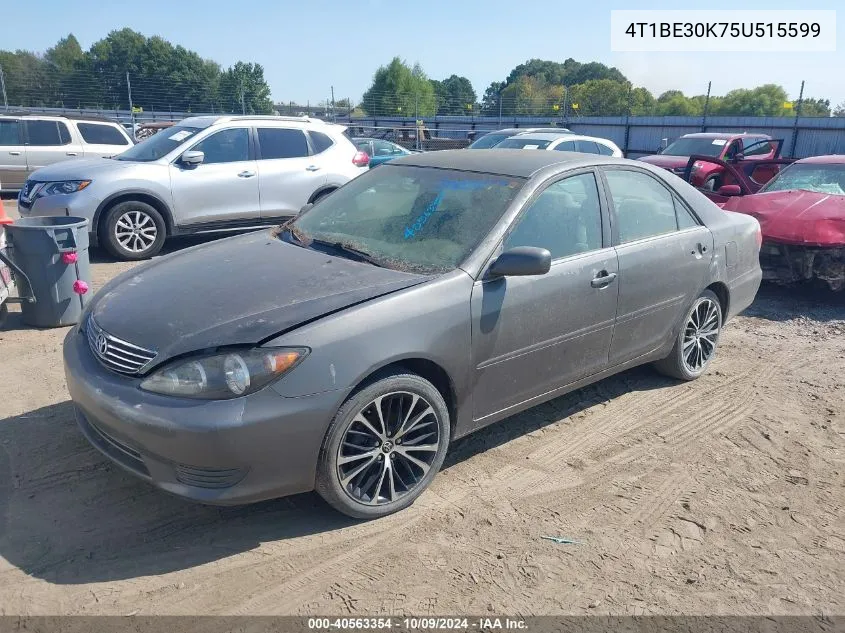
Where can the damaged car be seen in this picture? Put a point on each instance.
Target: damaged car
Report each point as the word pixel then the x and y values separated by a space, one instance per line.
pixel 344 351
pixel 801 211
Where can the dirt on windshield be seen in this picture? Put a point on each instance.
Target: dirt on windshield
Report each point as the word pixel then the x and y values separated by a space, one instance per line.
pixel 720 496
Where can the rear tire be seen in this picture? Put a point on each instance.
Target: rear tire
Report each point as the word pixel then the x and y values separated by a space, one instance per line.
pixel 695 346
pixel 4 314
pixel 133 230
pixel 384 447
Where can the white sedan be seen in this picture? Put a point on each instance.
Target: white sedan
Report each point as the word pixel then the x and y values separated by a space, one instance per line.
pixel 562 143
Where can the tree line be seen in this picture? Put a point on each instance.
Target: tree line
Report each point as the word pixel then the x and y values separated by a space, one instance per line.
pixel 161 76
pixel 571 88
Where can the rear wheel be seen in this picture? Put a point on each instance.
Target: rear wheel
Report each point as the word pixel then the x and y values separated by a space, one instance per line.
pixel 384 447
pixel 133 230
pixel 4 313
pixel 696 344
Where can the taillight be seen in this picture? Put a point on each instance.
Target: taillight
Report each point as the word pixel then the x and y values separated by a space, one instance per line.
pixel 361 159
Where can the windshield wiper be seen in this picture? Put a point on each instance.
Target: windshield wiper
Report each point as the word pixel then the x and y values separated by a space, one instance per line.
pixel 348 249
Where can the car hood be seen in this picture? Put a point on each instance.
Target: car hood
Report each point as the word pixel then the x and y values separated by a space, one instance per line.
pixel 235 291
pixel 80 169
pixel 796 216
pixel 667 162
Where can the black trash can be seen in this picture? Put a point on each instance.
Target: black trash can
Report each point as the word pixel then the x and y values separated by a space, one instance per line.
pixel 53 253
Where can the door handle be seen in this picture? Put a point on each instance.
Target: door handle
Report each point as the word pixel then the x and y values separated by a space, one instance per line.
pixel 246 174
pixel 15 153
pixel 603 279
pixel 72 154
pixel 312 168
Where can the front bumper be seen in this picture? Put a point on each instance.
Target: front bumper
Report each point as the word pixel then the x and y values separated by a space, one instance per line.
pixel 790 263
pixel 82 204
pixel 223 452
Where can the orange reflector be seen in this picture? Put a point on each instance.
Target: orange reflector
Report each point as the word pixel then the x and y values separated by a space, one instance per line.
pixel 83 184
pixel 279 362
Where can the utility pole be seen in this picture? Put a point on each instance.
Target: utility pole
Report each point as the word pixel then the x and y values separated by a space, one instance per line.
pixel 131 105
pixel 706 108
pixel 500 107
pixel 333 117
pixel 3 86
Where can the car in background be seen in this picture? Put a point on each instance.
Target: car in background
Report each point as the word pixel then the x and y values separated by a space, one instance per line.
pixel 379 150
pixel 144 131
pixel 31 141
pixel 488 140
pixel 801 211
pixel 726 146
pixel 562 143
pixel 424 300
pixel 206 173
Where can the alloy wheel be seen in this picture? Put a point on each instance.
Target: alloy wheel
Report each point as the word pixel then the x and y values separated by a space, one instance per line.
pixel 701 333
pixel 135 231
pixel 388 448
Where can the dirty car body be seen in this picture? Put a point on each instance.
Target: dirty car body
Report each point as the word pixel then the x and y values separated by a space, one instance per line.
pixel 802 216
pixel 480 282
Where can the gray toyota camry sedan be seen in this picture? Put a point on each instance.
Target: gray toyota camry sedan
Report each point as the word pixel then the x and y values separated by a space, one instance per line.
pixel 424 300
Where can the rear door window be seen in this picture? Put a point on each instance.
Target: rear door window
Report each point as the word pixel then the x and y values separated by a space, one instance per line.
pixel 644 208
pixel 10 133
pixel 320 142
pixel 277 142
pixel 588 147
pixel 47 133
pixel 566 146
pixel 100 134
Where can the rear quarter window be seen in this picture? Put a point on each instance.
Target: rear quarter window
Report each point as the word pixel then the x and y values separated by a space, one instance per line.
pixel 101 134
pixel 321 142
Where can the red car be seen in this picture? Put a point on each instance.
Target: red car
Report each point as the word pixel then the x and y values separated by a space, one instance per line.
pixel 801 212
pixel 725 146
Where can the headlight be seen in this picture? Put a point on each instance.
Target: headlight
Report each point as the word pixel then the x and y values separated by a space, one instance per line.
pixel 224 375
pixel 54 188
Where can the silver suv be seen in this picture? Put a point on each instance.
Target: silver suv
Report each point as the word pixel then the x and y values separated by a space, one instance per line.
pixel 31 141
pixel 203 174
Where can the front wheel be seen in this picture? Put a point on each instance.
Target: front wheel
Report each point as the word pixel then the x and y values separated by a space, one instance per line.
pixel 133 230
pixel 696 344
pixel 384 447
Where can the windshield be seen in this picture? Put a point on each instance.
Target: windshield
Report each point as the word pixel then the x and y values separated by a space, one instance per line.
pixel 415 219
pixel 810 177
pixel 518 142
pixel 690 146
pixel 489 140
pixel 159 144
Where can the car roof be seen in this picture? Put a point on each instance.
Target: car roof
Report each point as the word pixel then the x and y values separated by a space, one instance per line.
pixel 545 136
pixel 725 135
pixel 44 115
pixel 830 159
pixel 207 121
pixel 504 162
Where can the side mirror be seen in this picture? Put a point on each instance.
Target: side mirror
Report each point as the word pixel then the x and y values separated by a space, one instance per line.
pixel 738 156
pixel 192 158
pixel 522 261
pixel 729 191
pixel 305 208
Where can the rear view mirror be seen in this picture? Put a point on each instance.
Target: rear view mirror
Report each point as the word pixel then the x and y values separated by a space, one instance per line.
pixel 522 261
pixel 729 190
pixel 192 158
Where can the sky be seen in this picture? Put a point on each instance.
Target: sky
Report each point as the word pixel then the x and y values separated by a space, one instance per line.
pixel 308 47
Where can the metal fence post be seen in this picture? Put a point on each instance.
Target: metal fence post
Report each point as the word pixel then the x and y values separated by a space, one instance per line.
pixel 628 120
pixel 706 107
pixel 3 86
pixel 795 123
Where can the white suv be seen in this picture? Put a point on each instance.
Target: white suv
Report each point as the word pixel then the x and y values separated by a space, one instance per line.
pixel 204 173
pixel 31 141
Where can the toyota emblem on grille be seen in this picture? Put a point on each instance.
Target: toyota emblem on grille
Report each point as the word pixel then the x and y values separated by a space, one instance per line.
pixel 102 344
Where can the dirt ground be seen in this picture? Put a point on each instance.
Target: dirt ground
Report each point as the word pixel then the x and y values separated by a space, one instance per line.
pixel 721 496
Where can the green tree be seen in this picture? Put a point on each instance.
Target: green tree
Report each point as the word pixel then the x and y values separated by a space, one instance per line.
pixel 565 74
pixel 601 97
pixel 399 89
pixel 453 95
pixel 815 107
pixel 525 97
pixel 490 100
pixel 675 103
pixel 765 100
pixel 642 102
pixel 244 89
pixel 839 110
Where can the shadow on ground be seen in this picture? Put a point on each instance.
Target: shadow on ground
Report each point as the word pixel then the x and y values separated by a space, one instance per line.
pixel 784 303
pixel 70 516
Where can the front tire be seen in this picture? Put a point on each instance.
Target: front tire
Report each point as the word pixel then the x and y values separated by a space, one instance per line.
pixel 696 344
pixel 384 447
pixel 133 230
